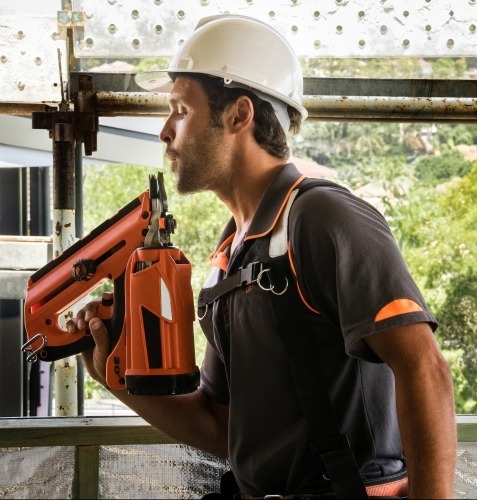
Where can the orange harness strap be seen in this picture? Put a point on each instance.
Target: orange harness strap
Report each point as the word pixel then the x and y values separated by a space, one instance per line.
pixel 392 489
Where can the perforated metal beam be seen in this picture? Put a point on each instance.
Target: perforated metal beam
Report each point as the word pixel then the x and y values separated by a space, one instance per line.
pixel 328 28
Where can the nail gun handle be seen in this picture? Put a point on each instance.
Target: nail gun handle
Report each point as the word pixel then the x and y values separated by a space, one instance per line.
pixel 111 311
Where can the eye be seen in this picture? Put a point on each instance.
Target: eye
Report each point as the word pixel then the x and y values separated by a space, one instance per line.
pixel 181 112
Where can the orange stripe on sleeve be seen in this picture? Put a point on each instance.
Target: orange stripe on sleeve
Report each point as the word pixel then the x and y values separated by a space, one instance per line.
pixel 297 284
pixel 396 307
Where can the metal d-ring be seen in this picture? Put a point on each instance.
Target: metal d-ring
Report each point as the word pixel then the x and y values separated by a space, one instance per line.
pixel 259 277
pixel 284 290
pixel 32 357
pixel 205 314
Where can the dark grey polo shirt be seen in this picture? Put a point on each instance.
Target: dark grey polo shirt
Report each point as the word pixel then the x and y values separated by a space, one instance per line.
pixel 355 283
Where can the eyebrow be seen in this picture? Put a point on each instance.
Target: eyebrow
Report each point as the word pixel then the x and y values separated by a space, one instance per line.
pixel 175 100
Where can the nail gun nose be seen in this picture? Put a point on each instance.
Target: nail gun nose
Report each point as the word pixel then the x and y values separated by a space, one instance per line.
pixel 84 269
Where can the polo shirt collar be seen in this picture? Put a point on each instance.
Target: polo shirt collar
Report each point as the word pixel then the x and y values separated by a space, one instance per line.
pixel 273 201
pixel 271 205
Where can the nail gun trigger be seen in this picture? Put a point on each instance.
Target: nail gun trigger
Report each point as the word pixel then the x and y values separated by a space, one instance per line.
pixel 107 299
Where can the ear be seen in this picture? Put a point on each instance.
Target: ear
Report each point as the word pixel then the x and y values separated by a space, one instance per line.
pixel 239 115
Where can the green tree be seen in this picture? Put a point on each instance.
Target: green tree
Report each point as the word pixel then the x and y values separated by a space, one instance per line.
pixel 451 163
pixel 458 331
pixel 448 67
pixel 152 64
pixel 437 233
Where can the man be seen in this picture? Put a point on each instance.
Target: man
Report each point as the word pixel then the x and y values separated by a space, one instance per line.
pixel 236 90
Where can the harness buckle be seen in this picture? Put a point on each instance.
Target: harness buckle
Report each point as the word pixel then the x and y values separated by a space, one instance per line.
pixel 249 274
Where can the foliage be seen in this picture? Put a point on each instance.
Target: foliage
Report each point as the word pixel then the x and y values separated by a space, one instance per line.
pixel 449 164
pixel 453 135
pixel 152 64
pixel 90 62
pixel 437 232
pixel 458 328
pixel 392 67
pixel 448 67
pixel 94 390
pixel 465 400
pixel 363 68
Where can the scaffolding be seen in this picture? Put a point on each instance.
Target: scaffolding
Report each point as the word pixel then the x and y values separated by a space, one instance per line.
pixel 40 77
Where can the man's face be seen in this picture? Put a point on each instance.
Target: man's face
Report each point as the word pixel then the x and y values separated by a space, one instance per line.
pixel 197 150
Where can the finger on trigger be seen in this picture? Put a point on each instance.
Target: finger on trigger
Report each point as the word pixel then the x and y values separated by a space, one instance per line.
pixel 81 324
pixel 71 326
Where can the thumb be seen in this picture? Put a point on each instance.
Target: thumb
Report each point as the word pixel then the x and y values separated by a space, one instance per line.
pixel 100 336
pixel 95 359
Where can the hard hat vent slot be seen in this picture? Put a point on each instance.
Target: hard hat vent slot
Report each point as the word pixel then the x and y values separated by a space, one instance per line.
pixel 185 62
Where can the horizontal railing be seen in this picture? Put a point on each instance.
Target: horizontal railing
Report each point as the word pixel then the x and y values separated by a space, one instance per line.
pixel 87 434
pixel 87 431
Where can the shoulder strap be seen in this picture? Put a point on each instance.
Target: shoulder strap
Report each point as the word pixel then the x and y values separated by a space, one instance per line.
pixel 329 447
pixel 279 237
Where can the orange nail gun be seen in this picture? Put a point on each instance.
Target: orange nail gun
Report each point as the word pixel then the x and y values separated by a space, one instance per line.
pixel 150 317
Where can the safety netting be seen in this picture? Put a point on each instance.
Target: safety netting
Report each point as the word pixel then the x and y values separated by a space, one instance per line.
pixel 158 471
pixel 148 471
pixel 132 471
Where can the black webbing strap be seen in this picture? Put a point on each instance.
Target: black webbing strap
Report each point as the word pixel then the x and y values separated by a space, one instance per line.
pixel 250 274
pixel 329 447
pixel 242 277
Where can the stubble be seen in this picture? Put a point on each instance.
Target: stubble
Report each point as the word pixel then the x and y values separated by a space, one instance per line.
pixel 203 163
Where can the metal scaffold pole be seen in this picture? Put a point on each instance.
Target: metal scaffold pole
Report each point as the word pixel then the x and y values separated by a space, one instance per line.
pixel 66 400
pixel 64 233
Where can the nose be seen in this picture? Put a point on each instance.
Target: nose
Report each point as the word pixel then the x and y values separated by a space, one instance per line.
pixel 167 133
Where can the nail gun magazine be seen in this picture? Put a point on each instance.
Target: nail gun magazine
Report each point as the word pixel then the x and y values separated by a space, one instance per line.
pixel 150 317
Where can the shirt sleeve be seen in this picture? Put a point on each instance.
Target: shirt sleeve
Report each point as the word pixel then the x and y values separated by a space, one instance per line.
pixel 349 268
pixel 213 378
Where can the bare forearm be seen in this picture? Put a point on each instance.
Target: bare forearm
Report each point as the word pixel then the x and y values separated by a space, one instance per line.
pixel 192 419
pixel 428 431
pixel 425 404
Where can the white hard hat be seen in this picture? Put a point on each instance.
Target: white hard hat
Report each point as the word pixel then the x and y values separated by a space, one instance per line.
pixel 242 51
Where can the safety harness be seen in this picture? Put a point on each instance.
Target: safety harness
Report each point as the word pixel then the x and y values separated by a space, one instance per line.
pixel 329 446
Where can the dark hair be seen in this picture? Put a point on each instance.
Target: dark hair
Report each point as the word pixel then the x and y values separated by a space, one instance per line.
pixel 268 132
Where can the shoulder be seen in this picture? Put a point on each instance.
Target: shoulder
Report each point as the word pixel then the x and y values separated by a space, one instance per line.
pixel 330 208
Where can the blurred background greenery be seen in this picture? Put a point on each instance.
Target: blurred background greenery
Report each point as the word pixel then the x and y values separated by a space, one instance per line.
pixel 423 177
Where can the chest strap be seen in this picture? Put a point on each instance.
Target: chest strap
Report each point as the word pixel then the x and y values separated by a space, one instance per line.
pixel 244 276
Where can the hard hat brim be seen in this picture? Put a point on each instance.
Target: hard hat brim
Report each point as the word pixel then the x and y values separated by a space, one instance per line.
pixel 160 81
pixel 155 81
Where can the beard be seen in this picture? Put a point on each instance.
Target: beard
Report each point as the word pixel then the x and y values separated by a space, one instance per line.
pixel 201 164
